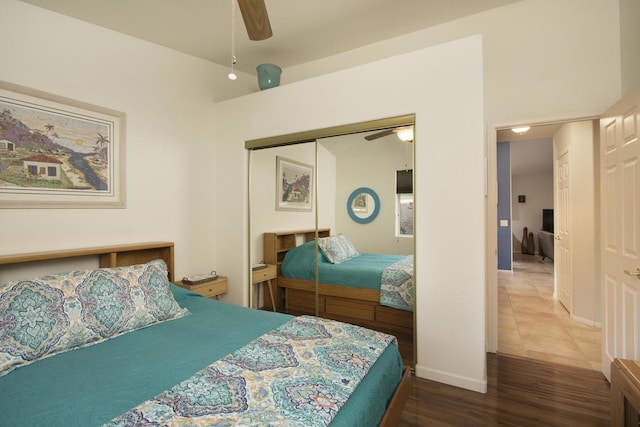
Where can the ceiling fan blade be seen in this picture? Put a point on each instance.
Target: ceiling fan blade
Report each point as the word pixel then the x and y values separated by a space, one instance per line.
pixel 256 19
pixel 379 134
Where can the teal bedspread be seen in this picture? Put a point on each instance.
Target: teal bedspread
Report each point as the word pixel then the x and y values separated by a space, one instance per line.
pixel 363 271
pixel 92 385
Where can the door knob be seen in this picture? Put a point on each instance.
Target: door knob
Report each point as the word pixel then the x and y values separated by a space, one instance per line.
pixel 635 273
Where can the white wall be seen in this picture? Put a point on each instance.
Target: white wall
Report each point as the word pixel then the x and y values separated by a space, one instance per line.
pixel 540 57
pixel 373 164
pixel 538 190
pixel 440 85
pixel 630 44
pixel 167 97
pixel 583 230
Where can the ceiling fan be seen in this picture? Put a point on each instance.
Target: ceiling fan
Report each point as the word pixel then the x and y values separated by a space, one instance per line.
pixel 404 133
pixel 256 19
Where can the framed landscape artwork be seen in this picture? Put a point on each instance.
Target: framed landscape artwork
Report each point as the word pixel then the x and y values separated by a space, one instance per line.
pixel 56 152
pixel 294 182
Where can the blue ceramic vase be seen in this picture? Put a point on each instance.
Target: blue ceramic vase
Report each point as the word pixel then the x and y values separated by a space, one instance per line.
pixel 268 76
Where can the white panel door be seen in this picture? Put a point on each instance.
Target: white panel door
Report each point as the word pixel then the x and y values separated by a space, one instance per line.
pixel 562 226
pixel 620 212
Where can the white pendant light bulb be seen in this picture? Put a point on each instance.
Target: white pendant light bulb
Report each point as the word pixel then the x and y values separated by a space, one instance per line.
pixel 232 75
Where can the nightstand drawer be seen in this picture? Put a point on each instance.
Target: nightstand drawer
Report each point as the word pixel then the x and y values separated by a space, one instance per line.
pixel 208 289
pixel 267 273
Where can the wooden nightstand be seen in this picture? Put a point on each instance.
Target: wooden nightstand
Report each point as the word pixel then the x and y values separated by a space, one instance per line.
pixel 211 289
pixel 266 276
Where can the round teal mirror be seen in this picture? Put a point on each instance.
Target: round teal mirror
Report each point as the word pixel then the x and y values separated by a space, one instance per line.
pixel 363 205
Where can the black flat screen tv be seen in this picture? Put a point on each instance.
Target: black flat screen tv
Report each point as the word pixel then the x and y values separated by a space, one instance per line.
pixel 404 181
pixel 547 220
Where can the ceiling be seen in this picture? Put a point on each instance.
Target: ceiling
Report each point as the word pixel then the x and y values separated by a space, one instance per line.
pixel 303 30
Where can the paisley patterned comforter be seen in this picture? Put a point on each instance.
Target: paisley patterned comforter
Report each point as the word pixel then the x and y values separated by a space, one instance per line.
pixel 396 287
pixel 299 374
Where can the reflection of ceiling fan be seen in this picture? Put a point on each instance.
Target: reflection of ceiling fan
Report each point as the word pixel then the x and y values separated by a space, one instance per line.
pixel 256 19
pixel 404 133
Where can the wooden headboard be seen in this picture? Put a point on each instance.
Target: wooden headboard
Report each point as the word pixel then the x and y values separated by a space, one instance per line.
pixel 276 245
pixel 109 256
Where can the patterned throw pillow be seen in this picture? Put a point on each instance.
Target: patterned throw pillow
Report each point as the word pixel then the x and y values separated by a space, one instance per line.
pixel 337 249
pixel 52 314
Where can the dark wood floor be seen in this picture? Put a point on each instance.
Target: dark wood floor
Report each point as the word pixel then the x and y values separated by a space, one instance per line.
pixel 520 392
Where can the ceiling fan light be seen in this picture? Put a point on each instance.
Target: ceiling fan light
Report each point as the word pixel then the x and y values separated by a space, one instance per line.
pixel 405 135
pixel 521 130
pixel 232 76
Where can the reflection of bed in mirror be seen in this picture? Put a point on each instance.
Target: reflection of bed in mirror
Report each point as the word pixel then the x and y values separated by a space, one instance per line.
pixel 349 291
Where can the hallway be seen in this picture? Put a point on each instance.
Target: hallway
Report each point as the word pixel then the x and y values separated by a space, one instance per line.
pixel 532 324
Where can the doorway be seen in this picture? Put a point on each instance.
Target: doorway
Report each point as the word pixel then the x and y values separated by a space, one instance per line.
pixel 534 324
pixel 531 321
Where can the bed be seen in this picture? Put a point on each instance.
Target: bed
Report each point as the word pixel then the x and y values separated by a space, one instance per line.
pixel 206 364
pixel 349 297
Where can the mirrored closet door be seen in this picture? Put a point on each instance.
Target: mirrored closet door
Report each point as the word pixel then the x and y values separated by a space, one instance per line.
pixel 359 218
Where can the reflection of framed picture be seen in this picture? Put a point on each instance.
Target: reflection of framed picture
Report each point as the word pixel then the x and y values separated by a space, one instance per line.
pixel 294 182
pixel 56 152
pixel 360 203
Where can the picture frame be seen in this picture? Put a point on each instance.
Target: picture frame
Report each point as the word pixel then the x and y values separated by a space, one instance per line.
pixel 294 185
pixel 57 152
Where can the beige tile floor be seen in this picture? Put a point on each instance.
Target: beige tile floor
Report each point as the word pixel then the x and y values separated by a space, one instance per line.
pixel 532 324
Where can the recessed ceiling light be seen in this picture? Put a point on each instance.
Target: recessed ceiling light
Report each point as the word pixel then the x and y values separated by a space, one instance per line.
pixel 521 130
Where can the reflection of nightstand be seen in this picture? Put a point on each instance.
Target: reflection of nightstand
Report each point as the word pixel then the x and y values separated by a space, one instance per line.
pixel 211 288
pixel 266 276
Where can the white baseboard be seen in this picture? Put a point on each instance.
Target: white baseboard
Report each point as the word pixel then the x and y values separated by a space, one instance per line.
pixel 581 319
pixel 587 321
pixel 472 384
